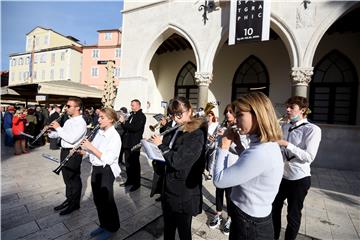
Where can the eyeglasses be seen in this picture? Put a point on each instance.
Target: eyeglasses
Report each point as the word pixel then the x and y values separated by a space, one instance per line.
pixel 179 114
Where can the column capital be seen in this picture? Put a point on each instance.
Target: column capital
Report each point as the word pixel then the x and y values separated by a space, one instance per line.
pixel 203 78
pixel 301 76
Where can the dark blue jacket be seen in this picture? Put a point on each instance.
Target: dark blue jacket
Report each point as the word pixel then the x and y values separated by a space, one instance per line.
pixel 8 120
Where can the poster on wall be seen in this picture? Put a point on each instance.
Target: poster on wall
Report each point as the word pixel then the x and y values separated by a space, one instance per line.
pixel 249 21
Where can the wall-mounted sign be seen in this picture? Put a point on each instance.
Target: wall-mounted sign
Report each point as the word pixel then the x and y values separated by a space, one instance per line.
pixel 105 61
pixel 249 21
pixel 41 98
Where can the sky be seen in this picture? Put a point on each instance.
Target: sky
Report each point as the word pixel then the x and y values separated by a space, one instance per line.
pixel 80 19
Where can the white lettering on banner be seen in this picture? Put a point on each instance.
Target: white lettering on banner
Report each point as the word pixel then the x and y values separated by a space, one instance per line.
pixel 249 20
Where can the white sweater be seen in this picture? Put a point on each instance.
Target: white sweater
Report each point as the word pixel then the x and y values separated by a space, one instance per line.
pixel 255 177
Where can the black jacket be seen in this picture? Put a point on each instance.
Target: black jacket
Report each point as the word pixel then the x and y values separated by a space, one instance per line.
pixel 182 190
pixel 133 129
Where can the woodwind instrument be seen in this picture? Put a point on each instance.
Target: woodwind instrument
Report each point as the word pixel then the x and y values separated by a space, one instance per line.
pixel 139 145
pixel 211 144
pixel 89 137
pixel 47 127
pixel 198 114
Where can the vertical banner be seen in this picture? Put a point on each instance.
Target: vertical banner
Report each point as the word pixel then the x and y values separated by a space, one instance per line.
pixel 249 21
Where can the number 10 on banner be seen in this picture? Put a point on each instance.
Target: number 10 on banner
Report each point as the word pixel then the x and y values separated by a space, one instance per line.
pixel 249 21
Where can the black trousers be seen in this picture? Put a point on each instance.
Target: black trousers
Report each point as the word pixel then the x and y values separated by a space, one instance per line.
pixel 132 164
pixel 219 193
pixel 102 181
pixel 295 192
pixel 179 221
pixel 246 227
pixel 71 176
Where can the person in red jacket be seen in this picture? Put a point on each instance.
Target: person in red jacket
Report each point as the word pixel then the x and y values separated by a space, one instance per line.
pixel 18 126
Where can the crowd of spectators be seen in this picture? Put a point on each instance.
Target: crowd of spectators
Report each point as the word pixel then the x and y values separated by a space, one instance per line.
pixel 18 124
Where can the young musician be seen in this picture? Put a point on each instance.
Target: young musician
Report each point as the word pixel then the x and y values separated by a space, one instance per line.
pixel 210 151
pixel 104 153
pixel 299 150
pixel 71 134
pixel 184 165
pixel 229 114
pixel 256 175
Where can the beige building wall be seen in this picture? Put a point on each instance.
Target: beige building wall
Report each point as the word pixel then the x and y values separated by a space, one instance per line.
pixel 46 38
pixel 62 64
pixel 56 57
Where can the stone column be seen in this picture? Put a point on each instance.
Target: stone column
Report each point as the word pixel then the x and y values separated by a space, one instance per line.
pixel 203 80
pixel 301 77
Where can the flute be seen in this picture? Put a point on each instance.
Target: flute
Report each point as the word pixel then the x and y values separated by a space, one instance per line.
pixel 139 145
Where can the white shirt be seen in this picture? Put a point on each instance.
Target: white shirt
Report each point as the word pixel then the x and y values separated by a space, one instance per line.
pixel 303 145
pixel 71 134
pixel 255 177
pixel 109 144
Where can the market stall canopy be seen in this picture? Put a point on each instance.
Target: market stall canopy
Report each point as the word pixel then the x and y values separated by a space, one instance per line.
pixel 55 91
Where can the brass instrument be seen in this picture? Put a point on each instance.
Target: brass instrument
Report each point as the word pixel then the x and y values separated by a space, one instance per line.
pixel 156 126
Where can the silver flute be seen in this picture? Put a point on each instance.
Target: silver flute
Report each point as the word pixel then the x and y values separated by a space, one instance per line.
pixel 139 145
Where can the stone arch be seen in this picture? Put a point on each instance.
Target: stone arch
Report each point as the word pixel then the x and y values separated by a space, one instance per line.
pixel 158 40
pixel 323 27
pixel 281 29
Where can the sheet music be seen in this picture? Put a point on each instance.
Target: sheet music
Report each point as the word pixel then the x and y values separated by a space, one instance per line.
pixel 152 151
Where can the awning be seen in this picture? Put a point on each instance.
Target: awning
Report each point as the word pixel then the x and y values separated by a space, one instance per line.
pixel 55 91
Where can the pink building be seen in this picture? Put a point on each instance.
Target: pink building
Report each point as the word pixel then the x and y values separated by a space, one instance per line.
pixel 108 48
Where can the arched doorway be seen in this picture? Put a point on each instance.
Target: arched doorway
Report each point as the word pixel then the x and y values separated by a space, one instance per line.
pixel 172 68
pixel 251 75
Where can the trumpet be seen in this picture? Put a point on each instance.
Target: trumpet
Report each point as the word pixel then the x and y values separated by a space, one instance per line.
pixel 156 126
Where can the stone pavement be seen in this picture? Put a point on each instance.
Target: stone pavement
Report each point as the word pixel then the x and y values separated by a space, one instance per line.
pixel 30 190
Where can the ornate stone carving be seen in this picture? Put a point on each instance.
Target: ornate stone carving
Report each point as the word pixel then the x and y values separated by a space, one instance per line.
pixel 203 78
pixel 301 76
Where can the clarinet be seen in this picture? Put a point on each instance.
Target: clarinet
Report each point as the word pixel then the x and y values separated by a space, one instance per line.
pixel 89 137
pixel 45 129
pixel 211 145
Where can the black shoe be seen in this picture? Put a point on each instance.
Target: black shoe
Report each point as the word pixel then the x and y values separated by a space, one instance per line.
pixel 62 206
pixel 125 184
pixel 134 188
pixel 69 210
